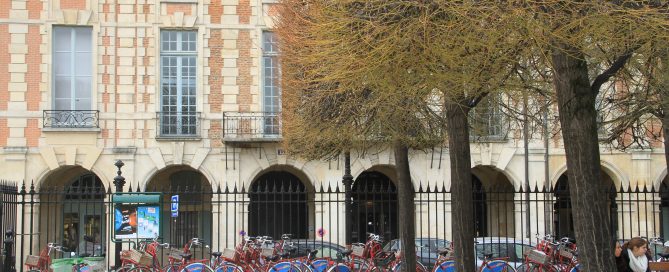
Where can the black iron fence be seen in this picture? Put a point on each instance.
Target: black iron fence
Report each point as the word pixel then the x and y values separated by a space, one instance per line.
pixel 82 217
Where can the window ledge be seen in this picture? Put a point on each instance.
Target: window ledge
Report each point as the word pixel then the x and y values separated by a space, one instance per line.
pixel 178 138
pixel 68 129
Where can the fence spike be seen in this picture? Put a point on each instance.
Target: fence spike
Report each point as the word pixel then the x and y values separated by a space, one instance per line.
pixel 420 187
pixel 218 188
pixel 32 187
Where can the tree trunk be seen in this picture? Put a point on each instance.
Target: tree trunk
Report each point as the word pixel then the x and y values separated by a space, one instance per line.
pixel 576 106
pixel 665 135
pixel 462 202
pixel 406 213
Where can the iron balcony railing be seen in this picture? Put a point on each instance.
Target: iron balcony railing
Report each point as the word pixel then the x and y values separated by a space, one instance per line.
pixel 251 126
pixel 178 124
pixel 71 118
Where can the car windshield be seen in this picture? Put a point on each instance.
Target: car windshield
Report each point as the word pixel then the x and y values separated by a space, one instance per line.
pixel 512 251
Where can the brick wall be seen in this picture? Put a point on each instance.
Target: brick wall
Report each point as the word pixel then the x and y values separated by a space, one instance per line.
pixel 4 62
pixel 4 132
pixel 32 133
pixel 186 8
pixel 73 4
pixel 244 11
pixel 34 9
pixel 244 66
pixel 5 5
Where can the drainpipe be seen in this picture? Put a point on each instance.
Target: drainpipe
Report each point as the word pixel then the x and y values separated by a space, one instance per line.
pixel 527 168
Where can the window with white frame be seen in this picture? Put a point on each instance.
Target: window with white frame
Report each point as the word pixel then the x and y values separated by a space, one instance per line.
pixel 178 55
pixel 271 94
pixel 487 121
pixel 72 68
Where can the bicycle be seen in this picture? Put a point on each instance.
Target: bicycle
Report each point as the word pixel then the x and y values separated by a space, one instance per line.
pixel 42 262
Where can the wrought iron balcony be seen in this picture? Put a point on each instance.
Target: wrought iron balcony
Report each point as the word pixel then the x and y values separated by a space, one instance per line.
pixel 178 124
pixel 71 119
pixel 251 126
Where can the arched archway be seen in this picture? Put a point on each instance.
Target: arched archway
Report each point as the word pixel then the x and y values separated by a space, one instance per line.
pixel 278 205
pixel 194 218
pixel 374 206
pixel 72 211
pixel 493 202
pixel 563 220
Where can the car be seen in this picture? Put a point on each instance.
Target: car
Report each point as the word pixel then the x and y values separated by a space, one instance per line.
pixel 427 249
pixel 502 247
pixel 325 248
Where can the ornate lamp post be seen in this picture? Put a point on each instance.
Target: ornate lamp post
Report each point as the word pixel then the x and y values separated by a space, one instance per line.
pixel 119 181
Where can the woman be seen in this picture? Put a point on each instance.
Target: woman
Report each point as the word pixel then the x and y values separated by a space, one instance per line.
pixel 632 256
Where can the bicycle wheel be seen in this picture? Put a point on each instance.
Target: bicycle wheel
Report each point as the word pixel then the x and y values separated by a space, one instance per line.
pixel 576 268
pixel 284 267
pixel 197 267
pixel 228 267
pixel 447 266
pixel 319 265
pixel 141 269
pixel 339 268
pixel 497 266
pixel 125 268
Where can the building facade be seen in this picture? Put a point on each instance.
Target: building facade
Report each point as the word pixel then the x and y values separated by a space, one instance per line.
pixel 186 93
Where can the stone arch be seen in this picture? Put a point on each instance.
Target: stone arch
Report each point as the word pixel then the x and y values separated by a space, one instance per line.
pixel 659 178
pixel 151 175
pixel 613 173
pixel 494 196
pixel 71 210
pixel 374 204
pixel 278 197
pixel 303 173
pixel 195 202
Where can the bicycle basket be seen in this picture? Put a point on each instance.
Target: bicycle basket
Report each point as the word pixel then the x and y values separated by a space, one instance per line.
pixel 537 256
pixel 383 259
pixel 357 250
pixel 140 257
pixel 228 254
pixel 32 260
pixel 175 254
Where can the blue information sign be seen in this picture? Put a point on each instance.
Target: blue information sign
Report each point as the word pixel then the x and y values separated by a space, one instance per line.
pixel 175 206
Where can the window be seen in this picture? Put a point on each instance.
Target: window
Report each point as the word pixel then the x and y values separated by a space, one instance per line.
pixel 487 120
pixel 271 91
pixel 178 53
pixel 72 68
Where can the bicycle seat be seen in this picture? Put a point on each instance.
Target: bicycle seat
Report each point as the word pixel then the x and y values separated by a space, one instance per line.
pixel 444 252
pixel 664 255
pixel 186 256
pixel 284 255
pixel 312 252
pixel 346 253
pixel 216 254
pixel 487 255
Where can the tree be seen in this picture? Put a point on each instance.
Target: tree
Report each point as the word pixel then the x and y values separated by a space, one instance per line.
pixel 360 75
pixel 586 44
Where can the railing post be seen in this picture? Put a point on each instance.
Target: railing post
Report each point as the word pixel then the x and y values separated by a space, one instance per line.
pixel 348 182
pixel 8 265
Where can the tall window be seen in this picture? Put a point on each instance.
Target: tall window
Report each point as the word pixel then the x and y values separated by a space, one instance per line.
pixel 271 90
pixel 487 120
pixel 72 68
pixel 178 53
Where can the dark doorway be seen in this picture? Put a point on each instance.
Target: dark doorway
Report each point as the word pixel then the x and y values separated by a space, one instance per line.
pixel 563 220
pixel 84 216
pixel 278 206
pixel 664 210
pixel 374 207
pixel 480 208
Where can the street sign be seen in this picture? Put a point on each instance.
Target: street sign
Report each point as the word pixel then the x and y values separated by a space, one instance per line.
pixel 175 206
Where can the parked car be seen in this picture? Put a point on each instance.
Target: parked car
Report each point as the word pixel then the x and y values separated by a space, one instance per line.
pixel 325 248
pixel 427 249
pixel 502 247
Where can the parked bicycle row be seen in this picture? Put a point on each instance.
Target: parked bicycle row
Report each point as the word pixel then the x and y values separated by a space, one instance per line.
pixel 260 254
